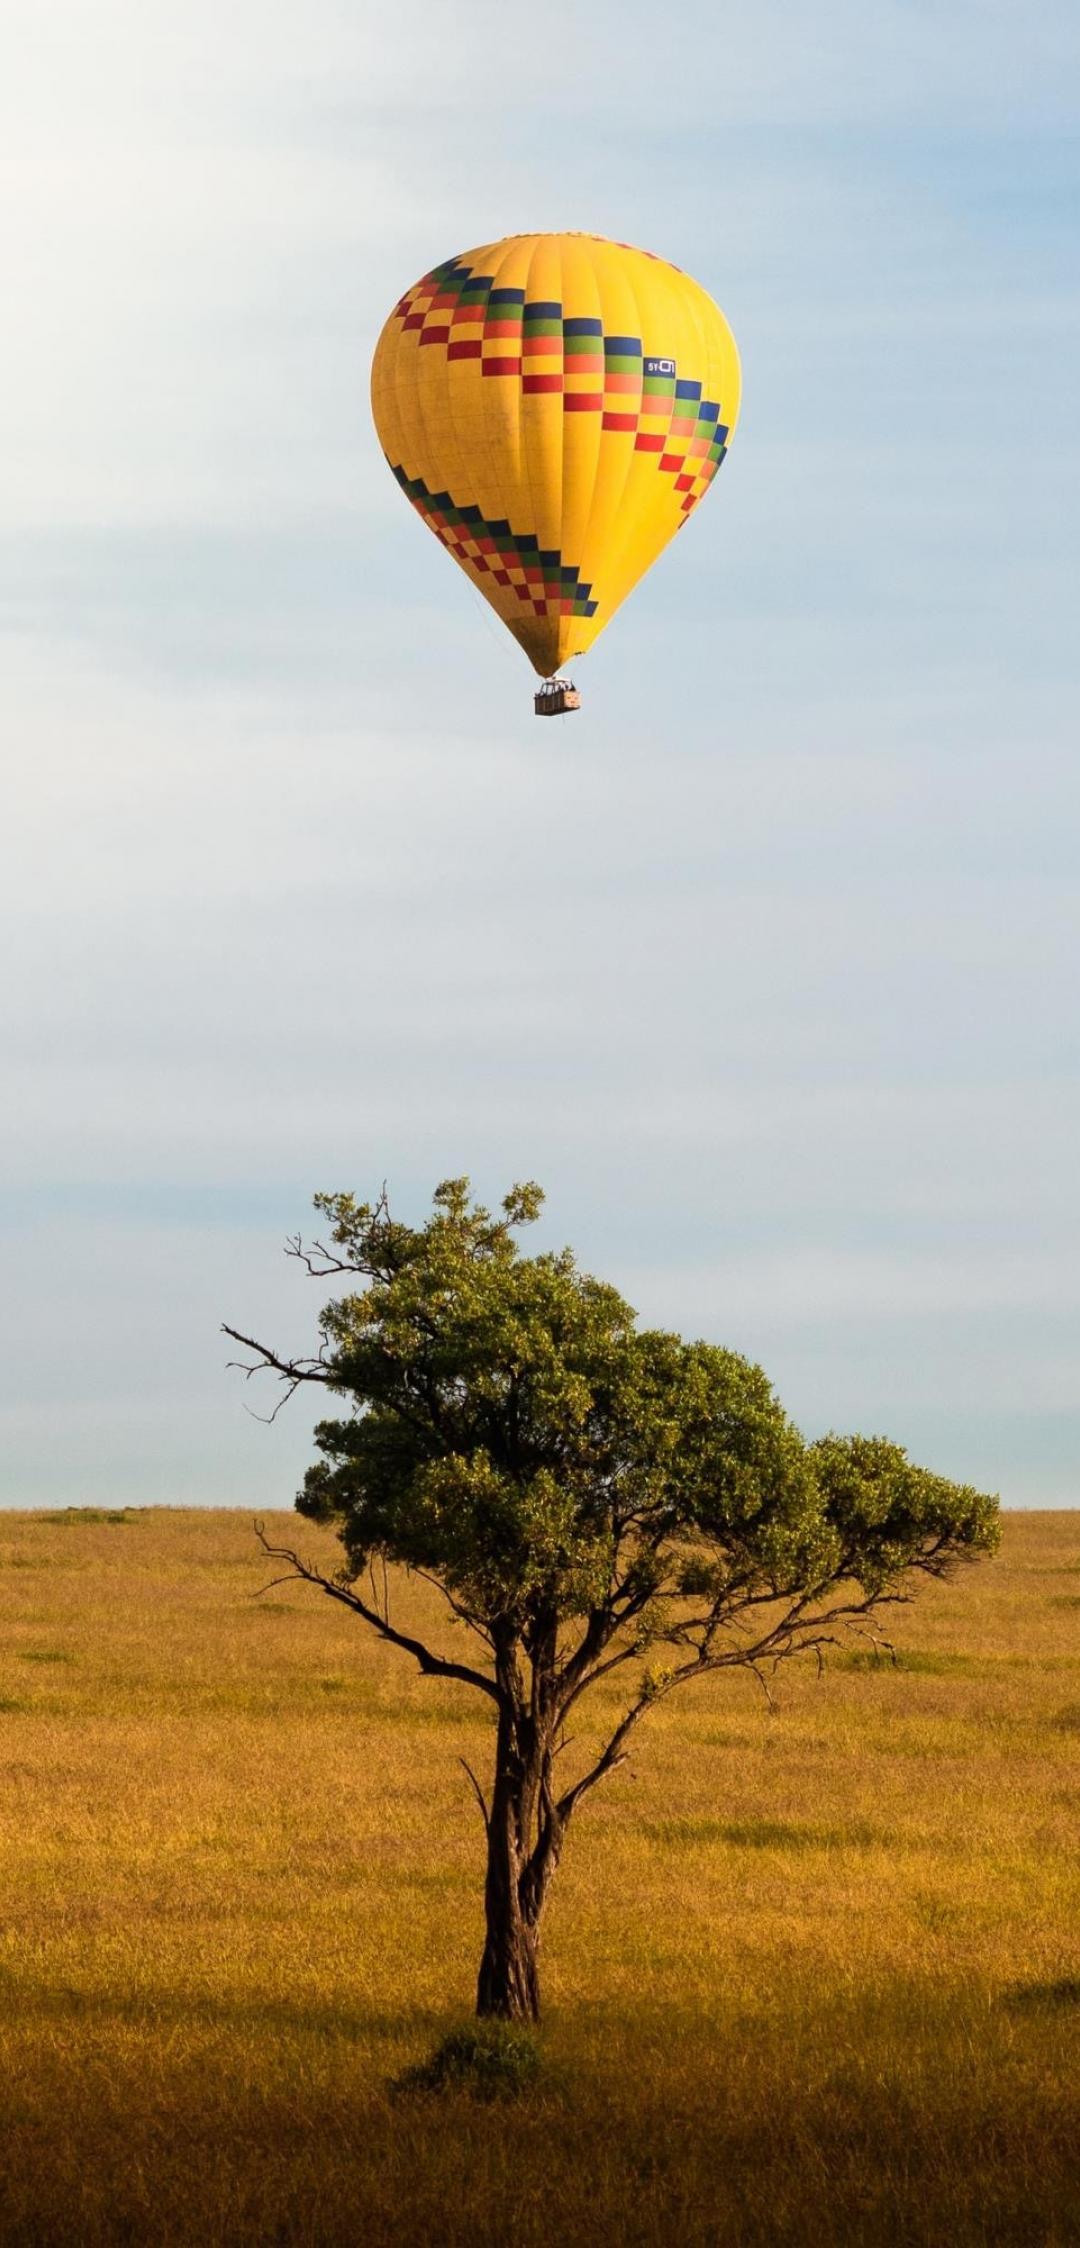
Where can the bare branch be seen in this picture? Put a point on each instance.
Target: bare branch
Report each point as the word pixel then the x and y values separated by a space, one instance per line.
pixel 795 1633
pixel 267 1419
pixel 317 1260
pixel 478 1792
pixel 292 1370
pixel 599 1670
pixel 462 1614
pixel 324 1263
pixel 770 1698
pixel 878 1640
pixel 432 1665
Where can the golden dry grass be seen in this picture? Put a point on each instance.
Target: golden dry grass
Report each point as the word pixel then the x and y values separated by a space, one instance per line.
pixel 811 1978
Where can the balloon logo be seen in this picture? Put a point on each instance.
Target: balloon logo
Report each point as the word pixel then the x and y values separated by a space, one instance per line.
pixel 555 406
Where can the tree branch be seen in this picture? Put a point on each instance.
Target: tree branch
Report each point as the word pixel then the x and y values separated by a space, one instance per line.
pixel 432 1665
pixel 463 1615
pixel 478 1792
pixel 294 1371
pixel 795 1633
pixel 324 1264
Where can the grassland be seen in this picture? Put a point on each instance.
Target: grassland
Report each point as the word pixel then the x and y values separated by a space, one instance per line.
pixel 811 1978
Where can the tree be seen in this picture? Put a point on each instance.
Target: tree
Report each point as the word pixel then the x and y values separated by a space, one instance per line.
pixel 589 1497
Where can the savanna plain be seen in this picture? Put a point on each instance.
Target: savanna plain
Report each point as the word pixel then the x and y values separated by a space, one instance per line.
pixel 811 1976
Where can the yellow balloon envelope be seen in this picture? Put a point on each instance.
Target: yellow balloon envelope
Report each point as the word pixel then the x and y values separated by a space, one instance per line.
pixel 555 406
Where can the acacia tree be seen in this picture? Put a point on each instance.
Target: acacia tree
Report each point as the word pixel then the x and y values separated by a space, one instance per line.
pixel 593 1501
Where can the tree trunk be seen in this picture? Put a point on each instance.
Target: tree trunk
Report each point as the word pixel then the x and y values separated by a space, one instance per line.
pixel 524 1840
pixel 508 1985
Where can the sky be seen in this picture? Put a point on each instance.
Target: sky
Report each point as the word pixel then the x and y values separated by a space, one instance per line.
pixel 766 964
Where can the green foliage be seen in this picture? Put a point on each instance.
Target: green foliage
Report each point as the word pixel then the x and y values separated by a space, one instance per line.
pixel 488 2060
pixel 513 1432
pixel 884 1508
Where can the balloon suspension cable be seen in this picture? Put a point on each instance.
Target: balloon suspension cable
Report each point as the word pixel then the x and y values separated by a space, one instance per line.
pixel 495 631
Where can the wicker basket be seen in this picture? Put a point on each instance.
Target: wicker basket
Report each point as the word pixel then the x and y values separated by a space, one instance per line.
pixel 555 696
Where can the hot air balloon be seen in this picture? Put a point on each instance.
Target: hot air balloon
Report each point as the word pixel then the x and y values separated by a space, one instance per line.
pixel 555 406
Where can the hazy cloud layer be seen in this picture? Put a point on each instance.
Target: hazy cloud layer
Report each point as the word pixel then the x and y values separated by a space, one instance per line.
pixel 767 964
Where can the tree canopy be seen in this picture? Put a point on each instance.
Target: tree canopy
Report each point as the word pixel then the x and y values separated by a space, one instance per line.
pixel 590 1497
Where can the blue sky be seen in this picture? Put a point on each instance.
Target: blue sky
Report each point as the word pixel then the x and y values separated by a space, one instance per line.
pixel 767 964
